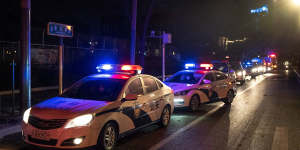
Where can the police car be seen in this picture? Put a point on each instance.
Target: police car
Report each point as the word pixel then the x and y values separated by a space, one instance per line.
pixel 98 109
pixel 200 84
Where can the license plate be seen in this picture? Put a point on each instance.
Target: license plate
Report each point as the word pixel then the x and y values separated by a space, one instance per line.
pixel 43 135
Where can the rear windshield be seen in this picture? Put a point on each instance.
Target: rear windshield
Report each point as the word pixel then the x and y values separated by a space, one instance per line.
pixel 101 89
pixel 185 77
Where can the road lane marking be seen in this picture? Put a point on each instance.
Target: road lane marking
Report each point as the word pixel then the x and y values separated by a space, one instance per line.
pixel 297 74
pixel 193 123
pixel 252 86
pixel 280 139
pixel 190 125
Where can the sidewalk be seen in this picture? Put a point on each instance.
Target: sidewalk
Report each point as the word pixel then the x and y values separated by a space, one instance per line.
pixel 9 125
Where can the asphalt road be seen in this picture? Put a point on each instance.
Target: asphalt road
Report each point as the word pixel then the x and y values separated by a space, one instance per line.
pixel 265 115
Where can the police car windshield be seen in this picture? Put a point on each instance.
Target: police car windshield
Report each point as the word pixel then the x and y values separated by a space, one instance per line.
pixel 100 89
pixel 185 77
pixel 221 67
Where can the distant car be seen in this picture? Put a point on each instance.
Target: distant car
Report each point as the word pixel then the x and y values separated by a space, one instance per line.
pixel 193 87
pixel 98 109
pixel 240 73
pixel 257 70
pixel 226 68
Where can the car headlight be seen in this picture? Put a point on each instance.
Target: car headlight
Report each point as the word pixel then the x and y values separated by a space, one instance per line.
pixel 244 72
pixel 240 73
pixel 80 121
pixel 26 115
pixel 254 70
pixel 178 100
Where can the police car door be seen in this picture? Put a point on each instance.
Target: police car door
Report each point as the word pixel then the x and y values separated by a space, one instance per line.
pixel 221 84
pixel 209 88
pixel 130 108
pixel 151 102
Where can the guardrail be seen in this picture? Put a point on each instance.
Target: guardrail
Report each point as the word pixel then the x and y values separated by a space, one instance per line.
pixel 39 89
pixel 8 105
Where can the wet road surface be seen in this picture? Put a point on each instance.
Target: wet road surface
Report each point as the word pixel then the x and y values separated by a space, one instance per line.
pixel 265 115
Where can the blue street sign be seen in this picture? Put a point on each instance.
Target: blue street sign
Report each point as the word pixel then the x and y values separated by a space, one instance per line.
pixel 60 30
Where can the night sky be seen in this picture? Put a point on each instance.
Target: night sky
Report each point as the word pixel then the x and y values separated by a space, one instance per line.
pixel 195 24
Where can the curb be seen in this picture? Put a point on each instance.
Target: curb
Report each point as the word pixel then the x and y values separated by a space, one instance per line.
pixel 10 130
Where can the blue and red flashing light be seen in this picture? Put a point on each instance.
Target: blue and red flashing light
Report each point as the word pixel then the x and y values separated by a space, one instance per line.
pixel 190 66
pixel 205 66
pixel 112 76
pixel 131 69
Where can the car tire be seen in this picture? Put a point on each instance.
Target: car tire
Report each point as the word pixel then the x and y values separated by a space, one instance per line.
pixel 165 117
pixel 108 137
pixel 194 103
pixel 229 99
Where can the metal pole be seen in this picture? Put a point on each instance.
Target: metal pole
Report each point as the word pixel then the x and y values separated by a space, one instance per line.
pixel 13 86
pixel 61 61
pixel 133 31
pixel 43 38
pixel 25 88
pixel 163 62
pixel 163 57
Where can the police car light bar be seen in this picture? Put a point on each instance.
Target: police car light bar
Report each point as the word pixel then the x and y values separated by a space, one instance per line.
pixel 132 69
pixel 104 67
pixel 189 66
pixel 207 66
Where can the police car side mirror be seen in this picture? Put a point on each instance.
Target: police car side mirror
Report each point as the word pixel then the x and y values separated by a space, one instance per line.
pixel 204 81
pixel 130 97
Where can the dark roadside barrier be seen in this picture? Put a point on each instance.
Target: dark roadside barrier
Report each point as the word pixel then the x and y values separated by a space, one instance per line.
pixel 11 107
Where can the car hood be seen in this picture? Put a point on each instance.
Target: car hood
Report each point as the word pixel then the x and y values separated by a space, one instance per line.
pixel 65 108
pixel 180 86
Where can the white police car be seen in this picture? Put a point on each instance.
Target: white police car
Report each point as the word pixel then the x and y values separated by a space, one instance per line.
pixel 98 109
pixel 201 84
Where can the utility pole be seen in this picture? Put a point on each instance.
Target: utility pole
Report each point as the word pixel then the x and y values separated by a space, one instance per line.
pixel 133 32
pixel 25 88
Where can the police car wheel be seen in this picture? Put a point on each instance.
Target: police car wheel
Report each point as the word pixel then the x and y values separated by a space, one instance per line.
pixel 194 103
pixel 165 117
pixel 230 96
pixel 108 137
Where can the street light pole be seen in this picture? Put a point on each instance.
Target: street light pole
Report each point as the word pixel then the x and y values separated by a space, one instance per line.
pixel 25 88
pixel 133 32
pixel 163 62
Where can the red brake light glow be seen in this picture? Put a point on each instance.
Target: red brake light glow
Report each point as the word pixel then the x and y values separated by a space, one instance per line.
pixel 207 66
pixel 272 55
pixel 131 67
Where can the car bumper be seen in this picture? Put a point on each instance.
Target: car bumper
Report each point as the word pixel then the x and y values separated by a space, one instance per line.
pixel 180 101
pixel 59 138
pixel 239 78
